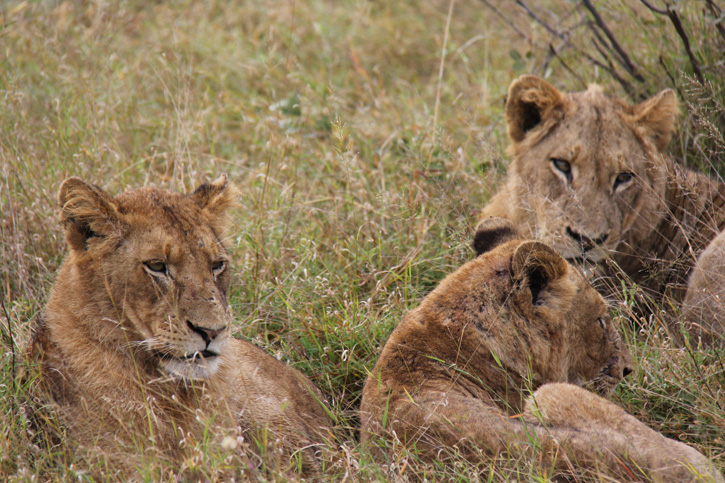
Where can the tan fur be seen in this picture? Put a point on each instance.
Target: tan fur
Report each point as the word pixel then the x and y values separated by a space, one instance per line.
pixel 704 306
pixel 623 198
pixel 457 372
pixel 127 341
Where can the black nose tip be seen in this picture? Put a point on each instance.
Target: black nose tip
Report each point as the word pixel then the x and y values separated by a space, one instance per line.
pixel 626 371
pixel 207 335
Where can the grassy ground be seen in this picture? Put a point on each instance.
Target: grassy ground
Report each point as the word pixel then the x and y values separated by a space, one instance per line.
pixel 365 138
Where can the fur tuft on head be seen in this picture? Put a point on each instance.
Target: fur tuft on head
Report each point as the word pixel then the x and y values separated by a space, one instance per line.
pixel 86 211
pixel 215 199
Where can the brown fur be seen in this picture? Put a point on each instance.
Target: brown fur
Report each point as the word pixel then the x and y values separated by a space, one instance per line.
pixel 623 198
pixel 127 340
pixel 704 305
pixel 458 370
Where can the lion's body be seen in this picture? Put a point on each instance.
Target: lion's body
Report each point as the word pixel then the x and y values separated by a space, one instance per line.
pixel 590 177
pixel 458 370
pixel 704 306
pixel 133 345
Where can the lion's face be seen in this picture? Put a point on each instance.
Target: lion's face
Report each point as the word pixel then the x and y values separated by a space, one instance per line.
pixel 555 322
pixel 597 358
pixel 159 267
pixel 589 169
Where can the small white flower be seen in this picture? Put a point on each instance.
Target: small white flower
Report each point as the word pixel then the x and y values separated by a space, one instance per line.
pixel 229 443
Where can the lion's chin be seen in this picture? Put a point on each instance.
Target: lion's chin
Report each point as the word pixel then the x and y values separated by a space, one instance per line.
pixel 192 369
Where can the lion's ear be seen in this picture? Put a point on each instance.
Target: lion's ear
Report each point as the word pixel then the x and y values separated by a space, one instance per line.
pixel 531 101
pixel 492 232
pixel 657 117
pixel 536 265
pixel 86 211
pixel 215 199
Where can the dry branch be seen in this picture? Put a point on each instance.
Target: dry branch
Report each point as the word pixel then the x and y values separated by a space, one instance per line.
pixel 622 55
pixel 675 19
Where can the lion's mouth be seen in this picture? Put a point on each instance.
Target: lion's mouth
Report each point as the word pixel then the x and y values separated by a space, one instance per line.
pixel 205 354
pixel 193 357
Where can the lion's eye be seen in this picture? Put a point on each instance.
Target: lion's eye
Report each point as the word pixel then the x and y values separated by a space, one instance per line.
pixel 156 267
pixel 602 322
pixel 562 166
pixel 218 266
pixel 622 178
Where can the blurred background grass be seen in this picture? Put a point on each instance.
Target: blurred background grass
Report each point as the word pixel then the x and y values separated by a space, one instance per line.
pixel 365 138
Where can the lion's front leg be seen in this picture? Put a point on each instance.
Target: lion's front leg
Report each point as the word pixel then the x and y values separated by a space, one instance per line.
pixel 591 428
pixel 438 424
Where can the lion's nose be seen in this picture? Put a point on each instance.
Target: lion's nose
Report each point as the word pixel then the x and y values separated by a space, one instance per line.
pixel 206 334
pixel 584 241
pixel 626 371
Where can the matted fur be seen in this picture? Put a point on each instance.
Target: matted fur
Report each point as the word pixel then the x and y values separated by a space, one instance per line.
pixel 589 176
pixel 134 345
pixel 457 373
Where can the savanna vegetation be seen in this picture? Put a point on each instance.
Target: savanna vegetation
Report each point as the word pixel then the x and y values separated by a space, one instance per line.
pixel 365 138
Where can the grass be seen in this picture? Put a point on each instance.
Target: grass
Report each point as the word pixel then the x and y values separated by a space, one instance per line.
pixel 363 166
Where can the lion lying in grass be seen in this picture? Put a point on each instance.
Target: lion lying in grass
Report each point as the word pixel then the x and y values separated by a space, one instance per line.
pixel 589 176
pixel 456 375
pixel 134 345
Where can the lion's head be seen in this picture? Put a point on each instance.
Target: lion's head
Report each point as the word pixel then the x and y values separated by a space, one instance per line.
pixel 549 320
pixel 516 317
pixel 151 264
pixel 588 170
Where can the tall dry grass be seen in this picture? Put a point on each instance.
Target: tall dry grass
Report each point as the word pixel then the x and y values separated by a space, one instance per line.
pixel 365 137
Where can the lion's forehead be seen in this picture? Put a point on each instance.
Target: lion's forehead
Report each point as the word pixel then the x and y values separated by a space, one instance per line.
pixel 174 244
pixel 151 205
pixel 598 133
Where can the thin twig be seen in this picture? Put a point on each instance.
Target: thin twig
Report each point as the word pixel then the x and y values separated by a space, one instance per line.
pixel 686 42
pixel 653 8
pixel 533 15
pixel 506 20
pixel 622 55
pixel 613 71
pixel 717 13
pixel 675 19
pixel 671 77
pixel 555 53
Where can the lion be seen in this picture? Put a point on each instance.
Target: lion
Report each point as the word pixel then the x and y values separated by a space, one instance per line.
pixel 134 347
pixel 589 176
pixel 704 305
pixel 456 375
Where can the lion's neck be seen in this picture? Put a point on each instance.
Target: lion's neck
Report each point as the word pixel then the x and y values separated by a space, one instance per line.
pixel 693 214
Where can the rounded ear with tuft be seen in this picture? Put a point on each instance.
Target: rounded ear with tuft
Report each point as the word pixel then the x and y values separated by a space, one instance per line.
pixel 536 265
pixel 531 101
pixel 86 211
pixel 492 232
pixel 657 117
pixel 215 199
